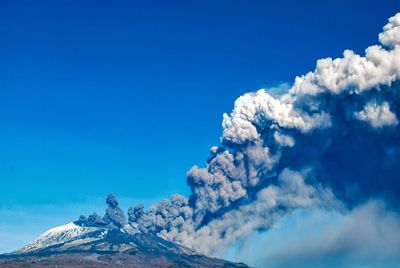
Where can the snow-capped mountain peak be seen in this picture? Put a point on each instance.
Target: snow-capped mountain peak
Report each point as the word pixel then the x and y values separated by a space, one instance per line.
pixel 57 235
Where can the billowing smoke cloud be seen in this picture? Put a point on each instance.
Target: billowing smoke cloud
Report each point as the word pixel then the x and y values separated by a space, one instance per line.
pixel 114 217
pixel 331 140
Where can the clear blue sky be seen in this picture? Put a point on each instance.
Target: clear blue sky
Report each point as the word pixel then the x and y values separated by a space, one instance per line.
pixel 125 96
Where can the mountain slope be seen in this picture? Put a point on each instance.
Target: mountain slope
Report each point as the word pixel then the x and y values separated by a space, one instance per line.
pixel 57 235
pixel 72 245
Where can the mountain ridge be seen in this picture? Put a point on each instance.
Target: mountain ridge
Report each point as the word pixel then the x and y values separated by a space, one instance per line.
pixel 72 245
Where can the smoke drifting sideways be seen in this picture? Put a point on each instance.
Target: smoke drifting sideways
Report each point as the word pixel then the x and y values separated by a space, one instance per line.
pixel 331 141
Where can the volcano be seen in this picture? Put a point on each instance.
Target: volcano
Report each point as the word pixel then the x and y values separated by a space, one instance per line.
pixel 72 245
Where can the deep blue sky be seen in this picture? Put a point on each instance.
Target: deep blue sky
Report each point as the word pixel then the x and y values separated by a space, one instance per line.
pixel 125 96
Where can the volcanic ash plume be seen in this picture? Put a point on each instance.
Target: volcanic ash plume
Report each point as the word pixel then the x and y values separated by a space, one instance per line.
pixel 332 140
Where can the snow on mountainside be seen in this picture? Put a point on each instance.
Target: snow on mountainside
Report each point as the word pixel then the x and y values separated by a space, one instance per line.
pixel 57 235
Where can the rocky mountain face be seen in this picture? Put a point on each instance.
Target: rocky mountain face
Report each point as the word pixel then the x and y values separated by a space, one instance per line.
pixel 72 245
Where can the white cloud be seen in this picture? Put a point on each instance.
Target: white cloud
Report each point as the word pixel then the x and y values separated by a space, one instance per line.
pixel 284 140
pixel 352 73
pixel 391 34
pixel 378 115
pixel 302 108
pixel 254 111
